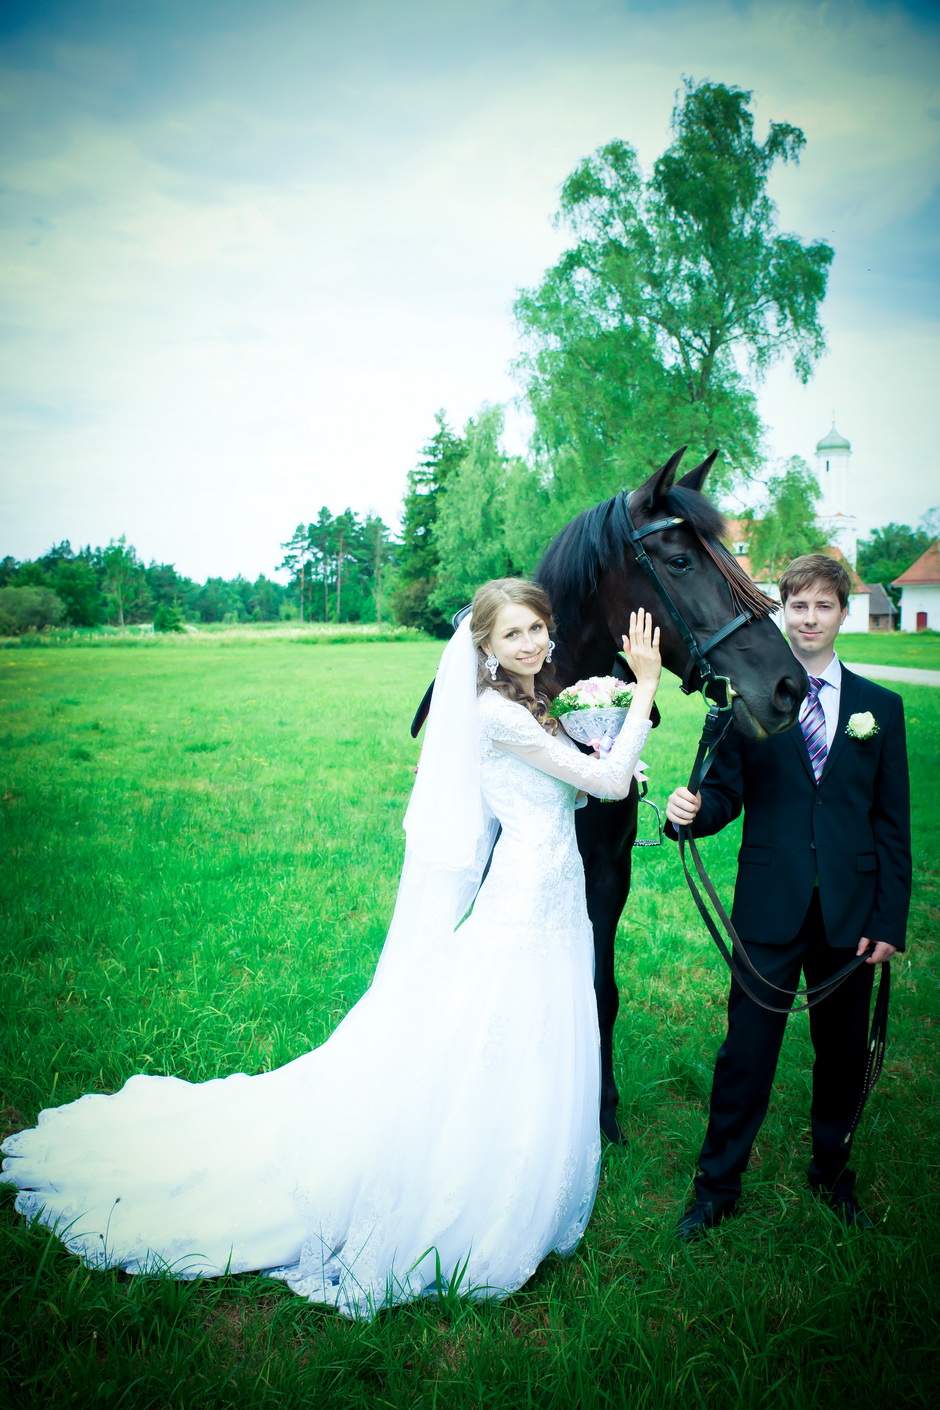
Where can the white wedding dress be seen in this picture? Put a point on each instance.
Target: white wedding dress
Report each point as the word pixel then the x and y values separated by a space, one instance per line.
pixel 445 1135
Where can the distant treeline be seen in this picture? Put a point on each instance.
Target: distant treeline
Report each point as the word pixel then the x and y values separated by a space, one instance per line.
pixel 339 567
pixel 94 587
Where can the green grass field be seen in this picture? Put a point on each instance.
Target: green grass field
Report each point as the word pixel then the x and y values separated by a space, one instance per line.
pixel 201 846
pixel 918 649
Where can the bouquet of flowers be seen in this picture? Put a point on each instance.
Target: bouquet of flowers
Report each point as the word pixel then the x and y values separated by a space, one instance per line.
pixel 593 710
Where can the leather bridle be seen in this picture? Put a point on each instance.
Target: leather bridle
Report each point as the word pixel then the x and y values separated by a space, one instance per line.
pixel 699 664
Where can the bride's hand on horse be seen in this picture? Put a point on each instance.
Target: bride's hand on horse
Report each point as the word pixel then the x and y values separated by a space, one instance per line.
pixel 682 807
pixel 641 649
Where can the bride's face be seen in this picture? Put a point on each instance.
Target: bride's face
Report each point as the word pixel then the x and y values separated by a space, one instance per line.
pixel 519 641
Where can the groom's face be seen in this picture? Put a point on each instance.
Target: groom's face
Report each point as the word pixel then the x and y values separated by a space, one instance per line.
pixel 812 619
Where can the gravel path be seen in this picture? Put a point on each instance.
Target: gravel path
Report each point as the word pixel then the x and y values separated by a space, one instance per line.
pixel 914 675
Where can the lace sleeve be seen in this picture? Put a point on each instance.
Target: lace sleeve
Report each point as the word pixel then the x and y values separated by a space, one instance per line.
pixel 511 729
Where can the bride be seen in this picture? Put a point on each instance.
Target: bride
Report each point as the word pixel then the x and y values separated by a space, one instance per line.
pixel 446 1134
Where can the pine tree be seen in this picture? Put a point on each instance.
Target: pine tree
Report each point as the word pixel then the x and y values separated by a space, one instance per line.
pixel 418 557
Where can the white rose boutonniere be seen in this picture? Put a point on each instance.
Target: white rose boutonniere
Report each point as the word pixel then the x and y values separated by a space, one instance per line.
pixel 862 725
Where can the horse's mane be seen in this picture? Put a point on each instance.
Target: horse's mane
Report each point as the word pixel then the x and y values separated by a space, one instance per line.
pixel 593 544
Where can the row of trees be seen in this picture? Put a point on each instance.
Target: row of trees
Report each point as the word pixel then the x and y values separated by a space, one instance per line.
pixel 340 567
pixel 96 586
pixel 348 570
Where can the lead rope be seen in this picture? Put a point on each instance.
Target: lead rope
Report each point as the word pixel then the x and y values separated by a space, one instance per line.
pixel 713 732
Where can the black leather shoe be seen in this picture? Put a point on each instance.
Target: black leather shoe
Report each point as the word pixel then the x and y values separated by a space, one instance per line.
pixel 848 1211
pixel 703 1215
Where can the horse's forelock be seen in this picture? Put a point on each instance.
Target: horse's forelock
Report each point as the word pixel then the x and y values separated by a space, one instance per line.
pixel 698 512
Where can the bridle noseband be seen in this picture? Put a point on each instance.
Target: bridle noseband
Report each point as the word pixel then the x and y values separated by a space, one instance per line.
pixel 699 665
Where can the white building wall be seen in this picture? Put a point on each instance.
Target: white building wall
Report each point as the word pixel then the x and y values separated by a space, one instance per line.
pixel 835 515
pixel 841 531
pixel 857 620
pixel 832 473
pixel 920 597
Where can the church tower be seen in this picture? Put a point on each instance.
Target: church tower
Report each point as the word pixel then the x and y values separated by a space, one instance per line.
pixel 833 454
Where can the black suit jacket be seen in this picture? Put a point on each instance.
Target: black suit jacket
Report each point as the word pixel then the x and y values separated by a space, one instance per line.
pixel 851 829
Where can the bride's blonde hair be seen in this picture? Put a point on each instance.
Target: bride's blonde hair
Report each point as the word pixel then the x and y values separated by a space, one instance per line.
pixel 487 601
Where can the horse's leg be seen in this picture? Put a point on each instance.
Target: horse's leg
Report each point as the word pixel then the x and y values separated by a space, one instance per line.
pixel 605 836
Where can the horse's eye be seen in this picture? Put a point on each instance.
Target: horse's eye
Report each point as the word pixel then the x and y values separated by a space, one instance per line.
pixel 680 564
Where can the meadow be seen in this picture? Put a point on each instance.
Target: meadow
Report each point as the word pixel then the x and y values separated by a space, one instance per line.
pixel 201 844
pixel 918 649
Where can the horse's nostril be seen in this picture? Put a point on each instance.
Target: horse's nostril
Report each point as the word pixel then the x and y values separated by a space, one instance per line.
pixel 787 694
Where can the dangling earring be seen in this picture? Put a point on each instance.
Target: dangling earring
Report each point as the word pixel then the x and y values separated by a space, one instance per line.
pixel 548 654
pixel 492 665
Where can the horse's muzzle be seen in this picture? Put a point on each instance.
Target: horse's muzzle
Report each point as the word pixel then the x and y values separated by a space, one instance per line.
pixel 776 714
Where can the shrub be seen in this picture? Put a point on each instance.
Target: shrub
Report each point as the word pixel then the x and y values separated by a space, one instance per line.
pixel 411 608
pixel 168 618
pixel 24 609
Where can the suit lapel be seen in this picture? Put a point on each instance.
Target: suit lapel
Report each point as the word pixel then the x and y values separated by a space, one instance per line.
pixel 799 744
pixel 848 702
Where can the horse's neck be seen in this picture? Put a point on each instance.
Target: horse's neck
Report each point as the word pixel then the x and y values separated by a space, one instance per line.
pixel 586 651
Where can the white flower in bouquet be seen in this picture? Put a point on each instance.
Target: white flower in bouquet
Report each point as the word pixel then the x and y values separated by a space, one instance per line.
pixel 592 711
pixel 594 693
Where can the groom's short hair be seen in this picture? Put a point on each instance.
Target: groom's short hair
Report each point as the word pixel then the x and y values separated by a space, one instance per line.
pixel 812 568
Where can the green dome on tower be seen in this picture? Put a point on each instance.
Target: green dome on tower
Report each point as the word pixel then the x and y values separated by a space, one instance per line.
pixel 832 441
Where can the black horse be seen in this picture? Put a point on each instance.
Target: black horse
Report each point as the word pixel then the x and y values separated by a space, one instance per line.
pixel 712 620
pixel 593 576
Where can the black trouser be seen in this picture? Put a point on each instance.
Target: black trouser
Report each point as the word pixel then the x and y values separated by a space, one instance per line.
pixel 747 1060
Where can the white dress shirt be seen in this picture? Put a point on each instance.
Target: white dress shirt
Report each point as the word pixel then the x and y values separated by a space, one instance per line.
pixel 830 694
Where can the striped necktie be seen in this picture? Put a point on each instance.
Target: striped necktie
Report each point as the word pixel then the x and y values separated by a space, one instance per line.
pixel 813 725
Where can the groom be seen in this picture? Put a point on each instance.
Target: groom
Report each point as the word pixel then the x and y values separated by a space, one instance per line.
pixel 824 872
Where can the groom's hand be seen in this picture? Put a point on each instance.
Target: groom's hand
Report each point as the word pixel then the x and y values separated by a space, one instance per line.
pixel 682 807
pixel 880 950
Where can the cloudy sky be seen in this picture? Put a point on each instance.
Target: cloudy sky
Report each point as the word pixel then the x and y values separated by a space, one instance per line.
pixel 249 247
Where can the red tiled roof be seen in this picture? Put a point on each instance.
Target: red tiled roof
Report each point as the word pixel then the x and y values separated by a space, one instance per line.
pixel 925 570
pixel 739 530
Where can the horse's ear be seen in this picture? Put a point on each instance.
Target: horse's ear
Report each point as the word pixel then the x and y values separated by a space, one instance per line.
pixel 695 479
pixel 661 481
